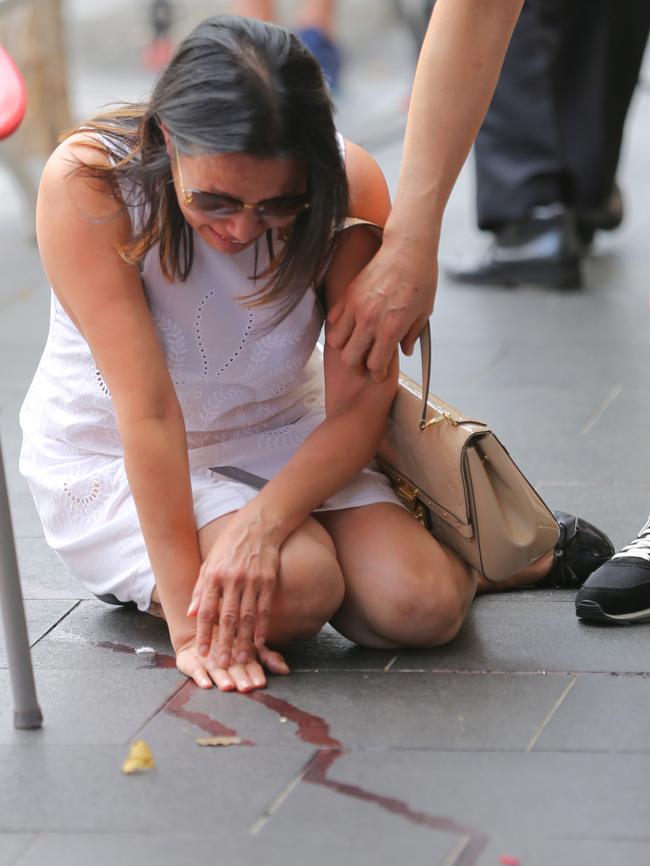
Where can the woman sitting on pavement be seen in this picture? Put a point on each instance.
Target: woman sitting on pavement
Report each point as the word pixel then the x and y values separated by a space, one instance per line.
pixel 194 245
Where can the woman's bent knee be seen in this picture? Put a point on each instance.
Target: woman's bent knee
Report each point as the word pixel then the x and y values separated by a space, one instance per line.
pixel 310 589
pixel 425 611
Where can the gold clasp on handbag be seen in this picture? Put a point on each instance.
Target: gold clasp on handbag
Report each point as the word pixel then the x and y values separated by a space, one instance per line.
pixel 447 416
pixel 410 497
pixel 407 492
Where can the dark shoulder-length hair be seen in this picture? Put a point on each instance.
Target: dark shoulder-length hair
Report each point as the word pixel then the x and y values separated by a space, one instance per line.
pixel 234 85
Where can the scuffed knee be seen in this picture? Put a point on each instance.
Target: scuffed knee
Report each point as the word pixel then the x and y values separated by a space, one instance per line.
pixel 425 612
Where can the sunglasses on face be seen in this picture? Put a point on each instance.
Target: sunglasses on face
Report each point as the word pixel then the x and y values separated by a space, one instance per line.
pixel 225 205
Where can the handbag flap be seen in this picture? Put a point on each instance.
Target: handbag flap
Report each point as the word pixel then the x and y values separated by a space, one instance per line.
pixel 407 450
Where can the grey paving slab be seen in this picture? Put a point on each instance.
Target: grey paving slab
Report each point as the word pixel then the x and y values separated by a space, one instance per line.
pixel 42 573
pixel 107 708
pixel 601 714
pixel 610 363
pixel 223 846
pixel 538 850
pixel 492 796
pixel 97 636
pixel 41 615
pixel 67 789
pixel 134 849
pixel 13 845
pixel 532 636
pixel 404 710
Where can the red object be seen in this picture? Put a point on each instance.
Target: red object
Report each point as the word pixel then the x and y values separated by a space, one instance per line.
pixel 509 861
pixel 13 95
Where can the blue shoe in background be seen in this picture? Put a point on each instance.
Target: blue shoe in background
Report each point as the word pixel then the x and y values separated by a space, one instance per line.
pixel 325 51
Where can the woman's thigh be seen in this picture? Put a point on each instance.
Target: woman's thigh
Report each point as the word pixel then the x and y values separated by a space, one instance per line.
pixel 402 587
pixel 309 587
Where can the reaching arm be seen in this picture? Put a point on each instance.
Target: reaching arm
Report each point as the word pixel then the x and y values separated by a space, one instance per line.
pixel 457 72
pixel 79 225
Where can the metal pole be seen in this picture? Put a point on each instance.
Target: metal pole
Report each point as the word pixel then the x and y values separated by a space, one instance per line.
pixel 27 713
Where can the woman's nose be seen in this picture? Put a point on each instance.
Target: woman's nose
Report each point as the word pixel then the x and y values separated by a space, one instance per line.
pixel 245 225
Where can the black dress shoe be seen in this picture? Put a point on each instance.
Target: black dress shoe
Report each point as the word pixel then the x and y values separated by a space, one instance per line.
pixel 541 249
pixel 605 218
pixel 619 591
pixel 582 548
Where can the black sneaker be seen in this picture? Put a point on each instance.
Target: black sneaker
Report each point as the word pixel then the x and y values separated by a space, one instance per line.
pixel 581 549
pixel 619 591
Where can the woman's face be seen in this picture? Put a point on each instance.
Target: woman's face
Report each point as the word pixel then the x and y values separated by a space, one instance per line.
pixel 238 176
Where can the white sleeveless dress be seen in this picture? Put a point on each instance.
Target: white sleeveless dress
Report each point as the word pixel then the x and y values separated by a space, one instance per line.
pixel 250 396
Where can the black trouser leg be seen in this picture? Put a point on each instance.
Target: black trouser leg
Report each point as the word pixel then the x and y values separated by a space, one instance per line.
pixel 518 152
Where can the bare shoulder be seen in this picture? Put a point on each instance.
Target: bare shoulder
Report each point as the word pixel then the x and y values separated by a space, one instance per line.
pixel 64 180
pixel 369 196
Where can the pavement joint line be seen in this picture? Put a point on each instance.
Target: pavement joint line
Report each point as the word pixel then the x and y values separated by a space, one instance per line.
pixel 392 662
pixel 58 622
pixel 268 813
pixel 593 419
pixel 159 709
pixel 551 713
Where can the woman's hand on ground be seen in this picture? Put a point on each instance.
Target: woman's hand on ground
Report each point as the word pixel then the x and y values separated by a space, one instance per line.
pixel 388 303
pixel 205 670
pixel 234 591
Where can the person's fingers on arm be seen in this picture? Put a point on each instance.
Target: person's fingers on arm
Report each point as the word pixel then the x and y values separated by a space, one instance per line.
pixel 245 651
pixel 207 616
pixel 273 661
pixel 340 325
pixel 411 338
pixel 357 347
pixel 228 624
pixel 381 355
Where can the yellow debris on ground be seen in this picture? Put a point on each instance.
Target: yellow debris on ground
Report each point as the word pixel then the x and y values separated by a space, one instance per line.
pixel 140 758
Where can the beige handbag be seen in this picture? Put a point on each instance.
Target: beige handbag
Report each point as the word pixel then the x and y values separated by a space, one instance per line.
pixel 455 476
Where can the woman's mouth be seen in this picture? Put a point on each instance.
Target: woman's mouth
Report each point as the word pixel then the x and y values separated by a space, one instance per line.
pixel 229 243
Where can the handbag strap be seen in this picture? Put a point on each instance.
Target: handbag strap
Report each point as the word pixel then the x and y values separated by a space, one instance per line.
pixel 425 354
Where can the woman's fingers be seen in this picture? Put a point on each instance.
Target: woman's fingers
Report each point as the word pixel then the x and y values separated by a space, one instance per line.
pixel 222 679
pixel 228 625
pixel 200 677
pixel 263 623
pixel 245 651
pixel 273 660
pixel 207 617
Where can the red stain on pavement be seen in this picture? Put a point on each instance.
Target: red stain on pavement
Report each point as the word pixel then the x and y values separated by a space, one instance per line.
pixel 177 707
pixel 315 730
pixel 153 659
pixel 311 729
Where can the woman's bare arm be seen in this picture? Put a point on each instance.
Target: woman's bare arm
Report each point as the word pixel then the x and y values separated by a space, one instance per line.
pixel 457 72
pixel 79 226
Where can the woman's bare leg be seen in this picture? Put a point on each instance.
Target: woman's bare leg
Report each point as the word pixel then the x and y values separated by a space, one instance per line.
pixel 402 588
